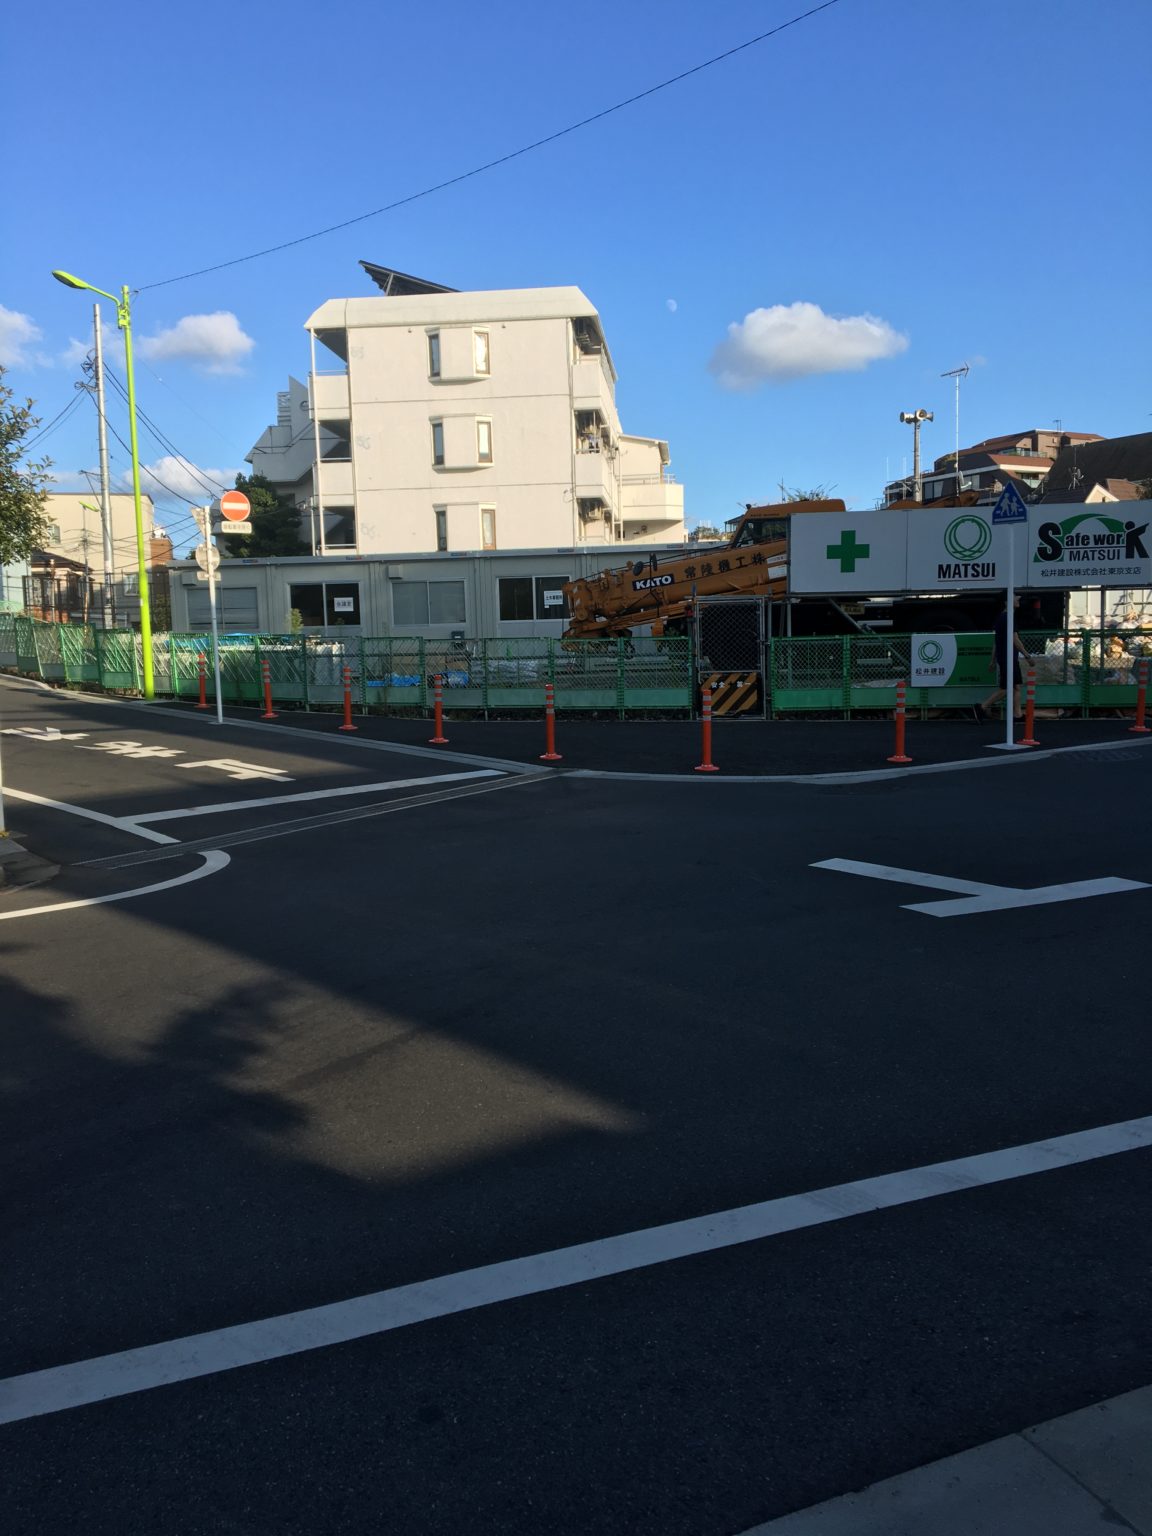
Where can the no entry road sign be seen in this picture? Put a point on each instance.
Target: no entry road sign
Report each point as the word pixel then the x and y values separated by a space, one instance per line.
pixel 235 506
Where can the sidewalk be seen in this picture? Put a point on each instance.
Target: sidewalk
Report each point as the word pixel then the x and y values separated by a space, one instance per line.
pixel 740 748
pixel 1081 1475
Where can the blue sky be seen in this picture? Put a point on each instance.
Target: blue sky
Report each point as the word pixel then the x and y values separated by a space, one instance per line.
pixel 958 180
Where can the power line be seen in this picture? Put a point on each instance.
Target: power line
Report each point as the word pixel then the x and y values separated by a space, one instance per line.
pixel 57 421
pixel 490 165
pixel 214 487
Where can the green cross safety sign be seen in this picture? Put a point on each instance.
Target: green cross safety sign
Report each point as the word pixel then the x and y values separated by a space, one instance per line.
pixel 848 551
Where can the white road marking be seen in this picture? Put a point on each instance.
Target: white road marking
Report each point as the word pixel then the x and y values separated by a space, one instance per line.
pixel 214 861
pixel 863 775
pixel 316 794
pixel 121 823
pixel 979 897
pixel 225 1349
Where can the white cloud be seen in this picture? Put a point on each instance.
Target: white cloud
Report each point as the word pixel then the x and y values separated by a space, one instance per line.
pixel 788 341
pixel 17 333
pixel 672 306
pixel 170 474
pixel 76 351
pixel 215 341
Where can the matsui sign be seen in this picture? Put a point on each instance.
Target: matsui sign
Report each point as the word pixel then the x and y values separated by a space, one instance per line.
pixel 953 548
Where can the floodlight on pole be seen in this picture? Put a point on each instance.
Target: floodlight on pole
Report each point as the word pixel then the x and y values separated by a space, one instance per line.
pixel 957 373
pixel 124 321
pixel 916 419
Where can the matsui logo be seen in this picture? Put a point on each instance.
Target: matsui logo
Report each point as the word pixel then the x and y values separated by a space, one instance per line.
pixel 1110 540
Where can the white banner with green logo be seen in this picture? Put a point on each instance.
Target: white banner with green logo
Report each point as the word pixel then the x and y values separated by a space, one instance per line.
pixel 952 548
pixel 951 661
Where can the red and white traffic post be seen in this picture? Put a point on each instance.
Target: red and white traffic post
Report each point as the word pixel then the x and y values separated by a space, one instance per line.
pixel 439 739
pixel 202 669
pixel 549 754
pixel 1140 729
pixel 706 765
pixel 266 677
pixel 347 726
pixel 1029 737
pixel 899 756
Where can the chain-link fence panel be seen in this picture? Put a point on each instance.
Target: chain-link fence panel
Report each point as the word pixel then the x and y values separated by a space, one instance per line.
pixel 118 659
pixel 1109 665
pixel 586 674
pixel 873 665
pixel 26 657
pixel 459 664
pixel 730 650
pixel 9 654
pixel 516 670
pixel 78 652
pixel 394 674
pixel 655 673
pixel 49 656
pixel 287 660
pixel 326 659
pixel 808 673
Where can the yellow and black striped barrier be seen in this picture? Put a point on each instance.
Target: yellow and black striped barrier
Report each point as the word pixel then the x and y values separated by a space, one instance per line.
pixel 733 693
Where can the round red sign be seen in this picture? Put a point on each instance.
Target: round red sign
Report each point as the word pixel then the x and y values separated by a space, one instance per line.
pixel 235 506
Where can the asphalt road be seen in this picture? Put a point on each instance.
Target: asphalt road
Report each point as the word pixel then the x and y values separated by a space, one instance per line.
pixel 457 1022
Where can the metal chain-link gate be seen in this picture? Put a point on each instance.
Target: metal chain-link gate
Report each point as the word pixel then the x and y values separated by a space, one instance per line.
pixel 731 637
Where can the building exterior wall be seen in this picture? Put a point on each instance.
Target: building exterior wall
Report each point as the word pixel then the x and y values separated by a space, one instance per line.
pixel 488 588
pixel 74 524
pixel 540 392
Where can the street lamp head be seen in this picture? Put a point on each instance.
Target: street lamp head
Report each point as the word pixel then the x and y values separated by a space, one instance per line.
pixel 69 281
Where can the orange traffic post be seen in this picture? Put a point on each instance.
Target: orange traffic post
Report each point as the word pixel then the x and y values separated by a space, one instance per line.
pixel 439 740
pixel 706 765
pixel 1140 729
pixel 899 756
pixel 549 754
pixel 1029 738
pixel 266 674
pixel 202 667
pixel 347 726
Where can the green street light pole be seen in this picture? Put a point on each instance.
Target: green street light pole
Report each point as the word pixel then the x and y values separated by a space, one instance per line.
pixel 124 321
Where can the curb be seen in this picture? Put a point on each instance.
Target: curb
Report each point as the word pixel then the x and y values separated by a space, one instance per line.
pixel 18 867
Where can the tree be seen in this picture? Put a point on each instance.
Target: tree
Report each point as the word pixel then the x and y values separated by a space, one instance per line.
pixel 23 485
pixel 275 523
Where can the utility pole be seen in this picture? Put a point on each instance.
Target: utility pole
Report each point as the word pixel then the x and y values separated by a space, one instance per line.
pixel 916 419
pixel 957 373
pixel 105 497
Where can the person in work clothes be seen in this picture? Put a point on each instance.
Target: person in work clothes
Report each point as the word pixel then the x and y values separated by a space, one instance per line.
pixel 1000 663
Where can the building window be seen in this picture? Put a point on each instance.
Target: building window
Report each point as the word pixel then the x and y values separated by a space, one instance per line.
pixel 488 527
pixel 339 528
pixel 54 533
pixel 524 598
pixel 238 611
pixel 480 352
pixel 323 604
pixel 438 442
pixel 441 528
pixel 516 598
pixel 433 354
pixel 427 602
pixel 484 440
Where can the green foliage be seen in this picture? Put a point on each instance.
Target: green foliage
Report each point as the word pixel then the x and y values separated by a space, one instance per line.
pixel 817 493
pixel 296 619
pixel 275 524
pixel 23 485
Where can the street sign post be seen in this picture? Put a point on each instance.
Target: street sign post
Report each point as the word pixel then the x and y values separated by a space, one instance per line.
pixel 235 506
pixel 211 563
pixel 1010 508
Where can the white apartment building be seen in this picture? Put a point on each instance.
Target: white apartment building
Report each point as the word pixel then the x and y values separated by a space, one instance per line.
pixel 438 421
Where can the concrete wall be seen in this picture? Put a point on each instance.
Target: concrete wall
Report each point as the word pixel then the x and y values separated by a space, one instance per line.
pixel 66 511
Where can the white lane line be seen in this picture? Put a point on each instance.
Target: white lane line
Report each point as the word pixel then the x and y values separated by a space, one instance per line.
pixel 293 1333
pixel 214 861
pixel 430 780
pixel 979 897
pixel 906 876
pixel 121 823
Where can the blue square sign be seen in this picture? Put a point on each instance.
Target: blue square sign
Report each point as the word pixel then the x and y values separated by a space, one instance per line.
pixel 1010 507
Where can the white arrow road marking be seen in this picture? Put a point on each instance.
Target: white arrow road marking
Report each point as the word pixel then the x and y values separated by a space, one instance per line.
pixel 974 896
